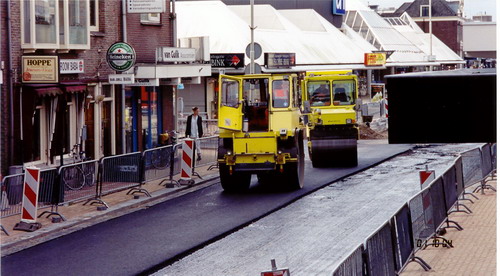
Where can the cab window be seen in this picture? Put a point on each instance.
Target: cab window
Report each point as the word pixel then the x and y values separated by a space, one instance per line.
pixel 229 93
pixel 319 93
pixel 281 93
pixel 344 92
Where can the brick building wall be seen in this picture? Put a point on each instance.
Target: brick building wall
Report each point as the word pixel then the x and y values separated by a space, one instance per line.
pixel 144 38
pixel 449 32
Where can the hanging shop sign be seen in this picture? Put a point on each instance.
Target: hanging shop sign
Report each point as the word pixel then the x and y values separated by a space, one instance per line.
pixel 279 60
pixel 71 66
pixel 227 60
pixel 375 59
pixel 173 54
pixel 121 79
pixel 120 56
pixel 40 69
pixel 339 7
pixel 145 6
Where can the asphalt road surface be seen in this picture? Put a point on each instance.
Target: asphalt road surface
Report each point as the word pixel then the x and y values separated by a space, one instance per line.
pixel 147 240
pixel 313 235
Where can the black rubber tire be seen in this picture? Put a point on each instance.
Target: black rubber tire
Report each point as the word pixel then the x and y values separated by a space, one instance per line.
pixel 235 182
pixel 293 172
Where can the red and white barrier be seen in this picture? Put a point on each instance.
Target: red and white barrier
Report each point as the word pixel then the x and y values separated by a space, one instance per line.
pixel 187 161
pixel 30 195
pixel 386 108
pixel 426 177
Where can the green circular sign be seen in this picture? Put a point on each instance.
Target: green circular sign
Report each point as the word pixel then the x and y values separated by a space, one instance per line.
pixel 120 56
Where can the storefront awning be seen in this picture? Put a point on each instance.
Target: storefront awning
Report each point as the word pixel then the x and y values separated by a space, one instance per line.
pixel 76 89
pixel 48 91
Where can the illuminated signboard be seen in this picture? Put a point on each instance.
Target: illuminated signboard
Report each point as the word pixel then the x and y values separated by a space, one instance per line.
pixel 375 59
pixel 40 69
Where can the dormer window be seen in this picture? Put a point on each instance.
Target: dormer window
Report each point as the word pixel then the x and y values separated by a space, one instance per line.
pixel 424 11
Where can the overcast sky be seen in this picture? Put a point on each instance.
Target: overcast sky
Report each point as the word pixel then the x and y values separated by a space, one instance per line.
pixel 472 7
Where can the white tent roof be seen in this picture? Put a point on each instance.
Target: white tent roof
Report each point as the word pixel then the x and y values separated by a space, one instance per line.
pixel 277 31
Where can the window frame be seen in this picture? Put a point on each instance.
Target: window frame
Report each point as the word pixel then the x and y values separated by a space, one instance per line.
pixel 58 45
pixel 224 94
pixel 94 28
pixel 150 19
pixel 286 89
pixel 422 8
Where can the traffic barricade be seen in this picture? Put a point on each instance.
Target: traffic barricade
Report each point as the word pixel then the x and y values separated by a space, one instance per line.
pixel 379 252
pixel 208 149
pixel 403 241
pixel 12 194
pixel 121 172
pixel 158 164
pixel 352 265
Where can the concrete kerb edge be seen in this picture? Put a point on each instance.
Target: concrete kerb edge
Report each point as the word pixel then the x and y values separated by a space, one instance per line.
pixel 55 231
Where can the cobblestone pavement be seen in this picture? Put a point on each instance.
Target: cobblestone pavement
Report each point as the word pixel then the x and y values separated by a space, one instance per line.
pixel 474 251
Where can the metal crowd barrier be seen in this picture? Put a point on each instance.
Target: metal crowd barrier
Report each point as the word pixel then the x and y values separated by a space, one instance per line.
pixel 352 265
pixel 486 168
pixel 158 163
pixel 12 195
pixel 121 172
pixel 209 146
pixel 210 126
pixel 379 252
pixel 79 181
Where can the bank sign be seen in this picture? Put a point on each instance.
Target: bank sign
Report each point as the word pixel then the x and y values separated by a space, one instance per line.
pixel 339 7
pixel 227 60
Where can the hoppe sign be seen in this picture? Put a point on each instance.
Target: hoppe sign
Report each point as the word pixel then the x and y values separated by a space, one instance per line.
pixel 120 56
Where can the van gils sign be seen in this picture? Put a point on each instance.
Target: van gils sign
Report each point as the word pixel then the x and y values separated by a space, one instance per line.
pixel 172 54
pixel 40 69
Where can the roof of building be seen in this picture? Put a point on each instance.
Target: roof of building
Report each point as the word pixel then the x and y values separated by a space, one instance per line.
pixel 439 8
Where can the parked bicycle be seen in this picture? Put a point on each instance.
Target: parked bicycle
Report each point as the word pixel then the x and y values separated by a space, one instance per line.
pixel 81 174
pixel 160 157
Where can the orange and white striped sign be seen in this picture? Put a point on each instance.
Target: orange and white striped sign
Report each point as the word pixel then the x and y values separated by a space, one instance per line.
pixel 187 159
pixel 30 195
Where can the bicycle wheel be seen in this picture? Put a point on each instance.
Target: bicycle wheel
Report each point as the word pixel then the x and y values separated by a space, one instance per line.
pixel 160 158
pixel 89 172
pixel 73 178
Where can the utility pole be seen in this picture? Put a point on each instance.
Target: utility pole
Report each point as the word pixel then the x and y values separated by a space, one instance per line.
pixel 430 32
pixel 252 42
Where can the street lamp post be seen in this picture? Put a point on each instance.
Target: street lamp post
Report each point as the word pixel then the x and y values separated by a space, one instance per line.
pixel 430 33
pixel 252 42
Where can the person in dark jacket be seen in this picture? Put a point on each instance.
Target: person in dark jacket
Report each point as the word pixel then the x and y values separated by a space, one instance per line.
pixel 194 129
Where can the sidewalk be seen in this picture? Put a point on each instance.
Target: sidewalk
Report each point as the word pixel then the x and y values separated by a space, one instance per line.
pixel 474 251
pixel 79 216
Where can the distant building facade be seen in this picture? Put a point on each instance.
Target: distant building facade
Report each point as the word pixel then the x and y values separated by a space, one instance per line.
pixel 447 20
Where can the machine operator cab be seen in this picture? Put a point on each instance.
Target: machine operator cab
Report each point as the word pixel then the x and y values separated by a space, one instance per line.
pixel 260 130
pixel 253 103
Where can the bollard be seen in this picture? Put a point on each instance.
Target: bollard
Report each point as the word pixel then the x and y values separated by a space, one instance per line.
pixel 187 162
pixel 30 201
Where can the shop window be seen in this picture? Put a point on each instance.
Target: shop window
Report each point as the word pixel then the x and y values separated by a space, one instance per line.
pixel 55 24
pixel 150 18
pixel 281 93
pixel 424 10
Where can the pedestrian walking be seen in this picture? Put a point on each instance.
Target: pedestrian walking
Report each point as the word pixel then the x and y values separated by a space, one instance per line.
pixel 194 130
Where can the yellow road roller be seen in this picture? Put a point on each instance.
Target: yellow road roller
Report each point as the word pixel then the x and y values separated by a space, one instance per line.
pixel 330 103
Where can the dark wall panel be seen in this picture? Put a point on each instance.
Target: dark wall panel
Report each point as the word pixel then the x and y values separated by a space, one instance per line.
pixel 442 107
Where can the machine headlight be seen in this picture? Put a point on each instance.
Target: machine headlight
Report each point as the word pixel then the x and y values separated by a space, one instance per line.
pixel 348 121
